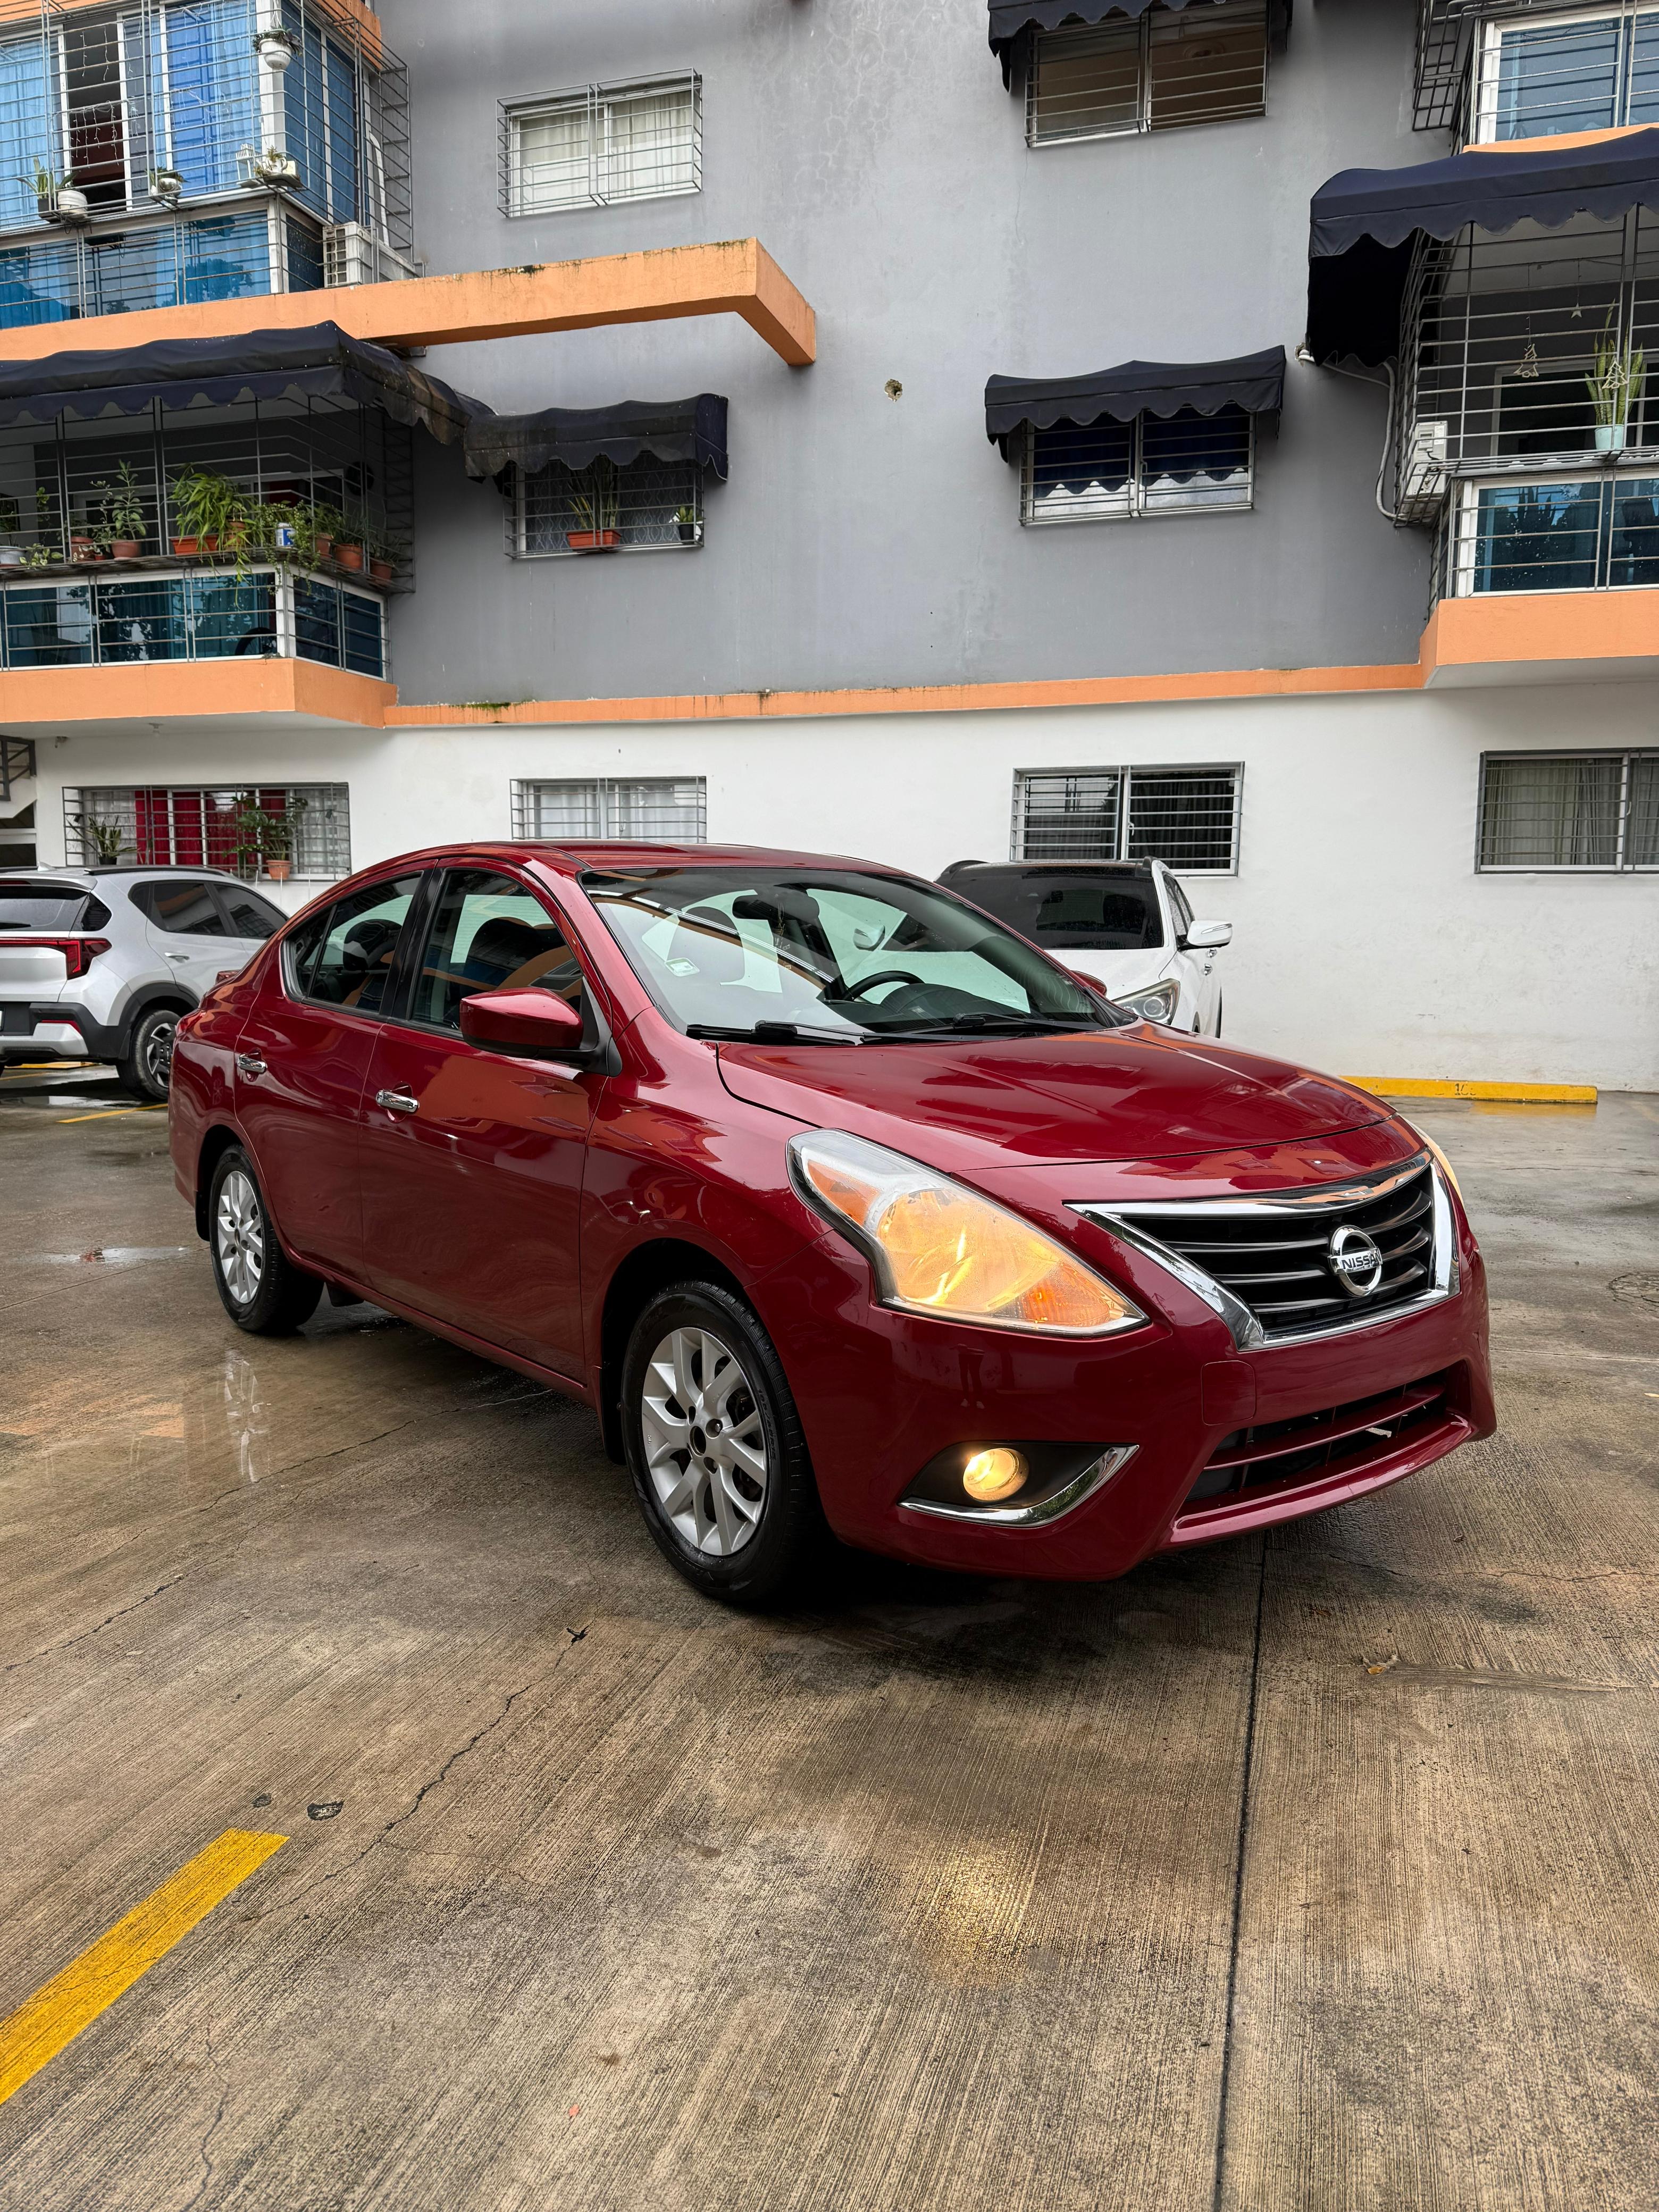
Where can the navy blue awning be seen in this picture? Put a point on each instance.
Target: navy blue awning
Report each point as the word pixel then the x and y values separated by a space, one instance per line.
pixel 668 430
pixel 223 372
pixel 1366 220
pixel 1254 382
pixel 1011 19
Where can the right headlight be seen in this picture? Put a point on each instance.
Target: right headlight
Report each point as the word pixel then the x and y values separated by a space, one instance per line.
pixel 1157 1004
pixel 938 1248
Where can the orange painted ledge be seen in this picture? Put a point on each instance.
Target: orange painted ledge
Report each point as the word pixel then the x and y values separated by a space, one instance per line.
pixel 737 278
pixel 1564 142
pixel 161 691
pixel 1516 631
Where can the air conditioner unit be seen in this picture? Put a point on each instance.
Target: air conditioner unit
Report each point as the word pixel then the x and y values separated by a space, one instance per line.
pixel 353 255
pixel 1423 465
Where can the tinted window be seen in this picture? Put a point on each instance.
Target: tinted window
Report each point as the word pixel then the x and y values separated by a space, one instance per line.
pixel 343 957
pixel 181 908
pixel 40 905
pixel 248 915
pixel 1179 908
pixel 489 934
pixel 1066 909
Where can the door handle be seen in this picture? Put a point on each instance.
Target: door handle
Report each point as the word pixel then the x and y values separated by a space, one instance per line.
pixel 180 956
pixel 249 1064
pixel 397 1101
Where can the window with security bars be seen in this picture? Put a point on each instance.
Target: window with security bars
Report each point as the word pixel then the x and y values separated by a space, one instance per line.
pixel 1544 74
pixel 244 828
pixel 1159 71
pixel 1187 818
pixel 600 143
pixel 1186 464
pixel 648 507
pixel 1541 811
pixel 1591 533
pixel 646 810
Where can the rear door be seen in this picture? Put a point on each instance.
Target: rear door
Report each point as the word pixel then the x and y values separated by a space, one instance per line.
pixel 472 1160
pixel 186 929
pixel 302 1061
pixel 249 919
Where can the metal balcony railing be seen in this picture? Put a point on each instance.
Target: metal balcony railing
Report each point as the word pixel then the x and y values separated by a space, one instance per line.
pixel 142 615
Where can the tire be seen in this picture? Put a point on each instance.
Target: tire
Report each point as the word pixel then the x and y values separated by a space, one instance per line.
pixel 259 1287
pixel 742 1522
pixel 145 1068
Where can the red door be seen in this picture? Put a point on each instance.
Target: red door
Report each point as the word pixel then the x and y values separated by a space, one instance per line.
pixel 302 1061
pixel 472 1160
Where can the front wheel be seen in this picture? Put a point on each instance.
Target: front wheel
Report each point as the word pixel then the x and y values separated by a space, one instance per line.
pixel 145 1069
pixel 714 1446
pixel 259 1287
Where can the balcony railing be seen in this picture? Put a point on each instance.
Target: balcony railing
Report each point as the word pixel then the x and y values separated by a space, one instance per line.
pixel 145 614
pixel 279 128
pixel 1569 534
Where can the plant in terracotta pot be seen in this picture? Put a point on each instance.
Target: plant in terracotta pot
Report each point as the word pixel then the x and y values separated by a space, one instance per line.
pixel 278 834
pixel 597 507
pixel 324 524
pixel 384 551
pixel 349 549
pixel 121 517
pixel 208 507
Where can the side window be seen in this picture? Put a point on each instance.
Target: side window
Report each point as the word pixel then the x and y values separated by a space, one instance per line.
pixel 489 933
pixel 343 957
pixel 249 916
pixel 183 909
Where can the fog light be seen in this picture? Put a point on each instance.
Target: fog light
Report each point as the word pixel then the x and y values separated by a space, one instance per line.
pixel 991 1476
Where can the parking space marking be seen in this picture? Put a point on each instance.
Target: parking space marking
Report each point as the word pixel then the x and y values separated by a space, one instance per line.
pixel 43 2024
pixel 110 1113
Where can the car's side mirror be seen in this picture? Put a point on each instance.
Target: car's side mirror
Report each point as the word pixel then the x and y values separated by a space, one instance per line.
pixel 1208 936
pixel 533 1023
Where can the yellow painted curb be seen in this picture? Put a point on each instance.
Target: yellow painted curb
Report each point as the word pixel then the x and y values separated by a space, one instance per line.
pixel 1525 1094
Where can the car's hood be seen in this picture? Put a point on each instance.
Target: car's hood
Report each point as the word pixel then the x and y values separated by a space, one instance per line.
pixel 1107 1094
pixel 1118 972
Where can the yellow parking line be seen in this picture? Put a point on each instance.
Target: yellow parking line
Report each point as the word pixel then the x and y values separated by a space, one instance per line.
pixel 89 1985
pixel 1529 1094
pixel 108 1114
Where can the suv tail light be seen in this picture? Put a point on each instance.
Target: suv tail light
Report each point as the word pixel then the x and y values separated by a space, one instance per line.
pixel 79 952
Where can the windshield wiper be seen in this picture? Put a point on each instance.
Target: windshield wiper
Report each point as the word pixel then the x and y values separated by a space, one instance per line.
pixel 993 1025
pixel 772 1033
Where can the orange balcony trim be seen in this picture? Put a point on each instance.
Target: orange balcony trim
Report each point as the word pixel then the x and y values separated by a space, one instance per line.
pixel 737 278
pixel 1518 636
pixel 1563 143
pixel 188 691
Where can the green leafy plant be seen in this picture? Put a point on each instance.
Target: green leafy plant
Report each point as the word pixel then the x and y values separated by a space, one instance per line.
pixel 45 184
pixel 11 519
pixel 39 557
pixel 208 504
pixel 1616 382
pixel 103 837
pixel 46 525
pixel 121 517
pixel 263 833
pixel 595 500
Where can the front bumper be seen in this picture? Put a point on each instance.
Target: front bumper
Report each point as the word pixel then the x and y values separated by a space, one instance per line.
pixel 880 1393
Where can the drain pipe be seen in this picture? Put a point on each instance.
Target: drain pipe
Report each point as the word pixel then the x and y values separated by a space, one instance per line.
pixel 1359 376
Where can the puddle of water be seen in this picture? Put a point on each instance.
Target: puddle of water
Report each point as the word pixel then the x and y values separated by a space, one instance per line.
pixel 108 1256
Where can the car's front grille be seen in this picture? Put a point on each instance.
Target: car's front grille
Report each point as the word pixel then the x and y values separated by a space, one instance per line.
pixel 1342 1439
pixel 1276 1257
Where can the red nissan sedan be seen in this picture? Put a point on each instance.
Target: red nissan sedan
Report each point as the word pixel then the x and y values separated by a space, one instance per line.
pixel 839 1203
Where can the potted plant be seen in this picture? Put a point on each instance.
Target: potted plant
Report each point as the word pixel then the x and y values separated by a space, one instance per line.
pixel 278 834
pixel 596 507
pixel 324 524
pixel 383 551
pixel 207 507
pixel 51 545
pixel 103 837
pixel 275 167
pixel 87 549
pixel 39 556
pixel 121 513
pixel 1615 386
pixel 349 545
pixel 45 184
pixel 689 528
pixel 165 186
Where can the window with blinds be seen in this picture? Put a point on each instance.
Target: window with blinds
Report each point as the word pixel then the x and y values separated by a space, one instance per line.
pixel 646 810
pixel 1160 71
pixel 1187 818
pixel 601 143
pixel 1543 811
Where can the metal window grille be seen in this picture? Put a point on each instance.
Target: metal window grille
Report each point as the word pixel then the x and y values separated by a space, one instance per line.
pixel 164 826
pixel 600 143
pixel 649 506
pixel 1579 534
pixel 1187 818
pixel 646 810
pixel 1164 69
pixel 1544 74
pixel 1190 464
pixel 1543 812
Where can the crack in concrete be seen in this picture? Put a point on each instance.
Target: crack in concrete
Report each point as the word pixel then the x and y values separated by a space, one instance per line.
pixel 205 2151
pixel 85 1635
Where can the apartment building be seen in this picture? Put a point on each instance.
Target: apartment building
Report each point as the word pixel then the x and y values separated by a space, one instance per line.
pixel 896 427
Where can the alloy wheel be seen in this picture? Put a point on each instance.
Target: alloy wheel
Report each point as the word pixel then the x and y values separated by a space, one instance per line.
pixel 158 1053
pixel 705 1446
pixel 240 1238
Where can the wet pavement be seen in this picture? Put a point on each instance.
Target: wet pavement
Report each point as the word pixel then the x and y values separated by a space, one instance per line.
pixel 1313 1873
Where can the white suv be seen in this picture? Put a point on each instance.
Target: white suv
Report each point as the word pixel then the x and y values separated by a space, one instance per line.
pixel 99 964
pixel 1125 925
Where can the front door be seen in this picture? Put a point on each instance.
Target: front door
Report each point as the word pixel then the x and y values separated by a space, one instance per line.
pixel 473 1159
pixel 301 1062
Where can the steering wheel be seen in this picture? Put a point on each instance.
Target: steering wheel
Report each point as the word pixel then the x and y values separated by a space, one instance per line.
pixel 869 982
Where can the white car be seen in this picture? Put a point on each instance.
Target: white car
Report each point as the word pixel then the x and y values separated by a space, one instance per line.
pixel 1125 925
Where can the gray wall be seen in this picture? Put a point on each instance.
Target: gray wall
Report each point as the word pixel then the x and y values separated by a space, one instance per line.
pixel 861 541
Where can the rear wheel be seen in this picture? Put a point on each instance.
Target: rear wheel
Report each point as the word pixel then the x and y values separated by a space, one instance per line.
pixel 259 1287
pixel 145 1068
pixel 714 1446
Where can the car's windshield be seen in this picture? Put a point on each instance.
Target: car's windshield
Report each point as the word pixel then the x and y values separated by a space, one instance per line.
pixel 1069 907
pixel 830 954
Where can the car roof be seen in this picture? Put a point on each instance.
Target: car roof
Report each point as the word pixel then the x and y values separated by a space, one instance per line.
pixel 577 857
pixel 84 878
pixel 1141 868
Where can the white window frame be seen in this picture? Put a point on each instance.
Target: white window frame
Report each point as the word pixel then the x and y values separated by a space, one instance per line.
pixel 602 791
pixel 1133 504
pixel 598 102
pixel 1078 34
pixel 1483 118
pixel 1126 772
pixel 1466 515
pixel 1619 865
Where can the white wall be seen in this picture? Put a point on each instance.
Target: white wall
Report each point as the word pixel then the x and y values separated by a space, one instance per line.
pixel 1365 943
